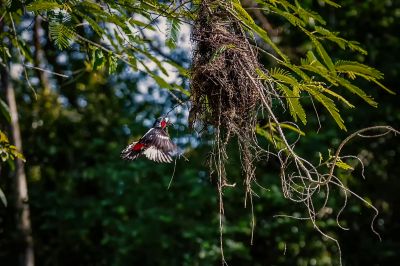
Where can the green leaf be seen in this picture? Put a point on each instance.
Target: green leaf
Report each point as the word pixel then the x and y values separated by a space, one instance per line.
pixel 154 59
pixel 17 154
pixel 5 53
pixel 25 51
pixel 98 60
pixel 338 96
pixel 173 28
pixel 44 6
pixel 332 36
pixel 383 86
pixel 7 151
pixel 293 101
pixel 279 144
pixel 312 60
pixel 320 158
pixel 247 21
pixel 329 104
pixel 283 76
pixel 241 12
pixel 161 82
pixel 295 21
pixel 354 69
pixel 339 163
pixel 353 45
pixel 132 30
pixel 5 110
pixel 112 63
pixel 298 71
pixel 288 126
pixel 331 3
pixel 311 63
pixel 324 55
pixel 133 61
pixel 320 86
pixel 3 138
pixel 183 71
pixel 61 34
pixel 264 35
pixel 181 89
pixel 356 90
pixel 141 24
pixel 307 15
pixel 93 24
pixel 343 66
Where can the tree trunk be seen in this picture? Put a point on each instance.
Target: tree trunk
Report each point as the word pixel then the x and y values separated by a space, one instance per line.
pixel 26 256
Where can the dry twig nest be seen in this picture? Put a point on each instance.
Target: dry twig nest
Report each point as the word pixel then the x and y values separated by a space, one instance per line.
pixel 225 90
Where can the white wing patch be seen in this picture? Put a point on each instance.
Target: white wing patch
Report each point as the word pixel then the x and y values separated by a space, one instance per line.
pixel 154 154
pixel 162 136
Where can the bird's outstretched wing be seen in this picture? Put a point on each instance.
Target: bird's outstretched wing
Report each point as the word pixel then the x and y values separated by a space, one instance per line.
pixel 159 146
pixel 155 145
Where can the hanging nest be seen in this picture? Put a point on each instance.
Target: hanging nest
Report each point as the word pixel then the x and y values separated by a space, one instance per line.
pixel 225 89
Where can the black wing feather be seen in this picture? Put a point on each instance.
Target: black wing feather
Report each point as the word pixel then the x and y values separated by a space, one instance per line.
pixel 157 147
pixel 160 139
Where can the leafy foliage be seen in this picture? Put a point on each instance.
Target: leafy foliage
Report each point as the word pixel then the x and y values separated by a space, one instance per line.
pixel 126 36
pixel 292 98
pixel 61 34
pixel 8 153
pixel 327 73
pixel 112 22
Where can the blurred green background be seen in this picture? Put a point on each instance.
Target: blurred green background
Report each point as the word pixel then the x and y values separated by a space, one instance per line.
pixel 88 207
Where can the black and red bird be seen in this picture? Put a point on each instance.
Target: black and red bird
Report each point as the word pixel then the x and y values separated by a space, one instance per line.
pixel 156 144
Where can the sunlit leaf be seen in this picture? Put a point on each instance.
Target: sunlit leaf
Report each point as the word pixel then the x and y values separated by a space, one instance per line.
pixel 173 28
pixel 343 165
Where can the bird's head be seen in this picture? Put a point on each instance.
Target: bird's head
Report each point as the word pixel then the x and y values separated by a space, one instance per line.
pixel 162 122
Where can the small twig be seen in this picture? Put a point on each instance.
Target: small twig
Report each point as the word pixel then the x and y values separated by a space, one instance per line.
pixel 173 174
pixel 339 184
pixel 47 71
pixel 316 113
pixel 346 140
pixel 2 16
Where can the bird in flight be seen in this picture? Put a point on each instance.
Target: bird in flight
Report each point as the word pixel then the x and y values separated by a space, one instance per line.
pixel 155 145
